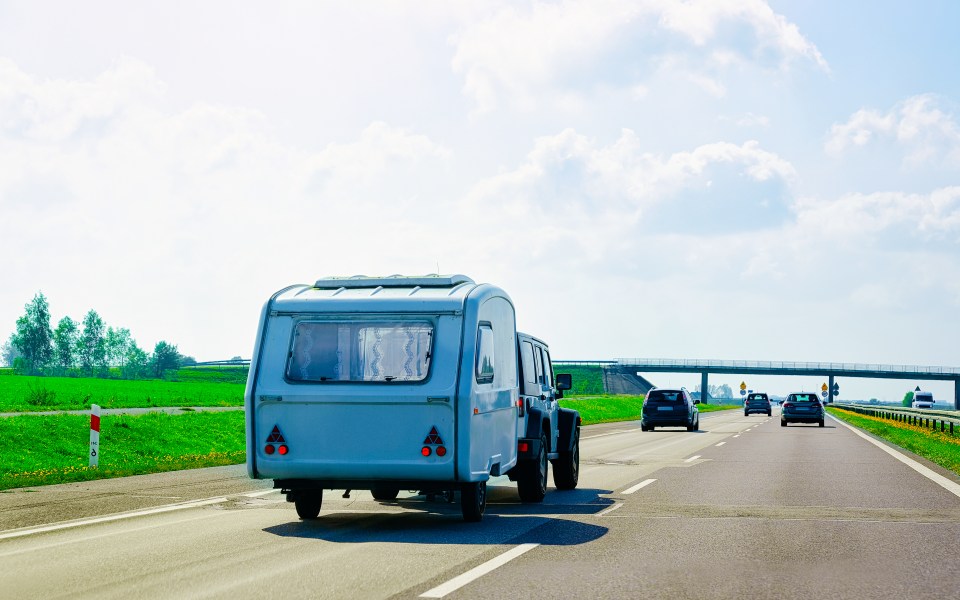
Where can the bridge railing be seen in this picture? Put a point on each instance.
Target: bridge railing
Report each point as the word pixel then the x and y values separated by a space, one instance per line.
pixel 781 365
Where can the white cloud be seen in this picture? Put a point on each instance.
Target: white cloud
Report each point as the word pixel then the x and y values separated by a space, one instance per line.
pixel 919 126
pixel 528 53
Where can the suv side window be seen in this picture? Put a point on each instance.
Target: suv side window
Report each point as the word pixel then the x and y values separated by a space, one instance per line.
pixel 547 367
pixel 539 361
pixel 529 369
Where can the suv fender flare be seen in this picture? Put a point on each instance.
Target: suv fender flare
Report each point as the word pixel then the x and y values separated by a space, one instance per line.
pixel 568 421
pixel 534 423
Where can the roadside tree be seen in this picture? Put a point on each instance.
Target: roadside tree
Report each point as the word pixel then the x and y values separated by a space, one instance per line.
pixel 117 345
pixel 136 362
pixel 34 338
pixel 91 346
pixel 908 399
pixel 165 357
pixel 65 344
pixel 8 353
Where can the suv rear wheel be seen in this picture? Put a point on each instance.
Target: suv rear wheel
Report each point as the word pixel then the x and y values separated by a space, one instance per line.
pixel 532 484
pixel 566 469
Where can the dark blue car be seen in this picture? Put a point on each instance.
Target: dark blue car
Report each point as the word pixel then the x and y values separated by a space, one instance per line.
pixel 801 408
pixel 669 408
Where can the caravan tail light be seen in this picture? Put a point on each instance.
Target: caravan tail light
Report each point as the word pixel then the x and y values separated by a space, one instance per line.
pixel 441 451
pixel 425 451
pixel 269 449
pixel 282 450
pixel 521 405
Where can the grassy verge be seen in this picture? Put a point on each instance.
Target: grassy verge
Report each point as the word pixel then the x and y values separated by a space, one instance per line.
pixel 941 448
pixel 22 393
pixel 587 379
pixel 609 409
pixel 42 450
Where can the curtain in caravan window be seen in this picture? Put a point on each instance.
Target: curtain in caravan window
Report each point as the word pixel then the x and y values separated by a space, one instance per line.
pixel 361 351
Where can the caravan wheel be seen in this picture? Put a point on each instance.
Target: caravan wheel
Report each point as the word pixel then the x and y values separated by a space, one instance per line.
pixel 308 504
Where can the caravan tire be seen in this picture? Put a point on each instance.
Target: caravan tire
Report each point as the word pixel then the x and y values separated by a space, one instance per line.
pixel 308 504
pixel 566 469
pixel 532 483
pixel 473 501
pixel 385 493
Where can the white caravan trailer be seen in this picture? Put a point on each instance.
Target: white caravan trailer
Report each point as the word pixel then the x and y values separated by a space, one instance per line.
pixel 385 384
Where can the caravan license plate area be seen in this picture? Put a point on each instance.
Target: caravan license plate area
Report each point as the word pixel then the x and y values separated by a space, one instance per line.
pixel 664 408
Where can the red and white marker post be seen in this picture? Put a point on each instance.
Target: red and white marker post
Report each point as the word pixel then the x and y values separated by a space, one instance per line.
pixel 94 435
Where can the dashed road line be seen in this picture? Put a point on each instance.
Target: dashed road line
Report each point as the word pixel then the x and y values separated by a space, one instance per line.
pixel 720 444
pixel 477 572
pixel 643 483
pixel 692 458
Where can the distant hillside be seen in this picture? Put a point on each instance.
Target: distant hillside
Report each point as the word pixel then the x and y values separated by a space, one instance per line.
pixel 587 379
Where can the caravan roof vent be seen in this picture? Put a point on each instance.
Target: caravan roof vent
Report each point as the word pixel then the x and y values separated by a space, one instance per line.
pixel 392 281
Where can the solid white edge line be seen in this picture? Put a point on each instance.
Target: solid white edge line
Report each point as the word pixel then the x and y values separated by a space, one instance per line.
pixel 610 509
pixel 643 483
pixel 692 458
pixel 950 486
pixel 130 515
pixel 479 571
pixel 720 444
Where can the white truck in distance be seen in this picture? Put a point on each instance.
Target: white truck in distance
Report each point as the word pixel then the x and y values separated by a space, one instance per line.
pixel 403 383
pixel 922 400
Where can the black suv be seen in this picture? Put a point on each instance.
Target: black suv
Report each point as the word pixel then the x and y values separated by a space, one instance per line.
pixel 669 408
pixel 801 408
pixel 758 402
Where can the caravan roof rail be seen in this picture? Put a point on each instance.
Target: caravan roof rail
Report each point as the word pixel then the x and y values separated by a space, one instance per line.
pixel 392 281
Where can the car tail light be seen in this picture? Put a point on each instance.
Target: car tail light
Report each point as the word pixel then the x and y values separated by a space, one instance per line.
pixel 523 447
pixel 521 406
pixel 788 404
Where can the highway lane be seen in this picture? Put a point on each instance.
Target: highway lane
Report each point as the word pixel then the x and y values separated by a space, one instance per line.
pixel 729 522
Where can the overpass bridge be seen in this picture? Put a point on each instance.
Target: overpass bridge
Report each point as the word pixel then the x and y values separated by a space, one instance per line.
pixel 829 370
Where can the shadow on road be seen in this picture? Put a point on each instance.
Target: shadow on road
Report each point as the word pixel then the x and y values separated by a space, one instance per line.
pixel 506 520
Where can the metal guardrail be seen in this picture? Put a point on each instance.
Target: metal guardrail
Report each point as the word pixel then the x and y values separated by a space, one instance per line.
pixel 931 422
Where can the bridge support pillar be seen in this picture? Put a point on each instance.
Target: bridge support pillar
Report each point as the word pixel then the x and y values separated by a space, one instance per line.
pixel 956 394
pixel 830 390
pixel 704 394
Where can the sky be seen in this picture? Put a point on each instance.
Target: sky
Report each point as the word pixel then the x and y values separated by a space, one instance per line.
pixel 723 179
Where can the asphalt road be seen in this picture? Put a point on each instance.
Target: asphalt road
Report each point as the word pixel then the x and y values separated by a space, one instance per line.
pixel 742 509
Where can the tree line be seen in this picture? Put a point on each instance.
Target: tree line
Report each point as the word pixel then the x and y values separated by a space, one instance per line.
pixel 86 348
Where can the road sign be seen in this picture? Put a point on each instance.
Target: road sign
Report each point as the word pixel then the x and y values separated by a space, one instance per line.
pixel 836 387
pixel 824 393
pixel 743 392
pixel 743 385
pixel 824 387
pixel 918 389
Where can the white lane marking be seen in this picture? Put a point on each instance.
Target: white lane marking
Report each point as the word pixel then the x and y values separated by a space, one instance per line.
pixel 933 476
pixel 609 510
pixel 738 435
pixel 108 518
pixel 261 493
pixel 619 431
pixel 692 458
pixel 720 444
pixel 643 483
pixel 479 571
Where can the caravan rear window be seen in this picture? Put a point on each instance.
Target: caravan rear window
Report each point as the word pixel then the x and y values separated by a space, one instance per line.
pixel 368 351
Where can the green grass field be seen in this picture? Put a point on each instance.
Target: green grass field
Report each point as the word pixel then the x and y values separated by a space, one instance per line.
pixel 42 450
pixel 23 393
pixel 941 448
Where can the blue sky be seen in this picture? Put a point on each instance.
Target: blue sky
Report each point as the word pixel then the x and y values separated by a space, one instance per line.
pixel 727 179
